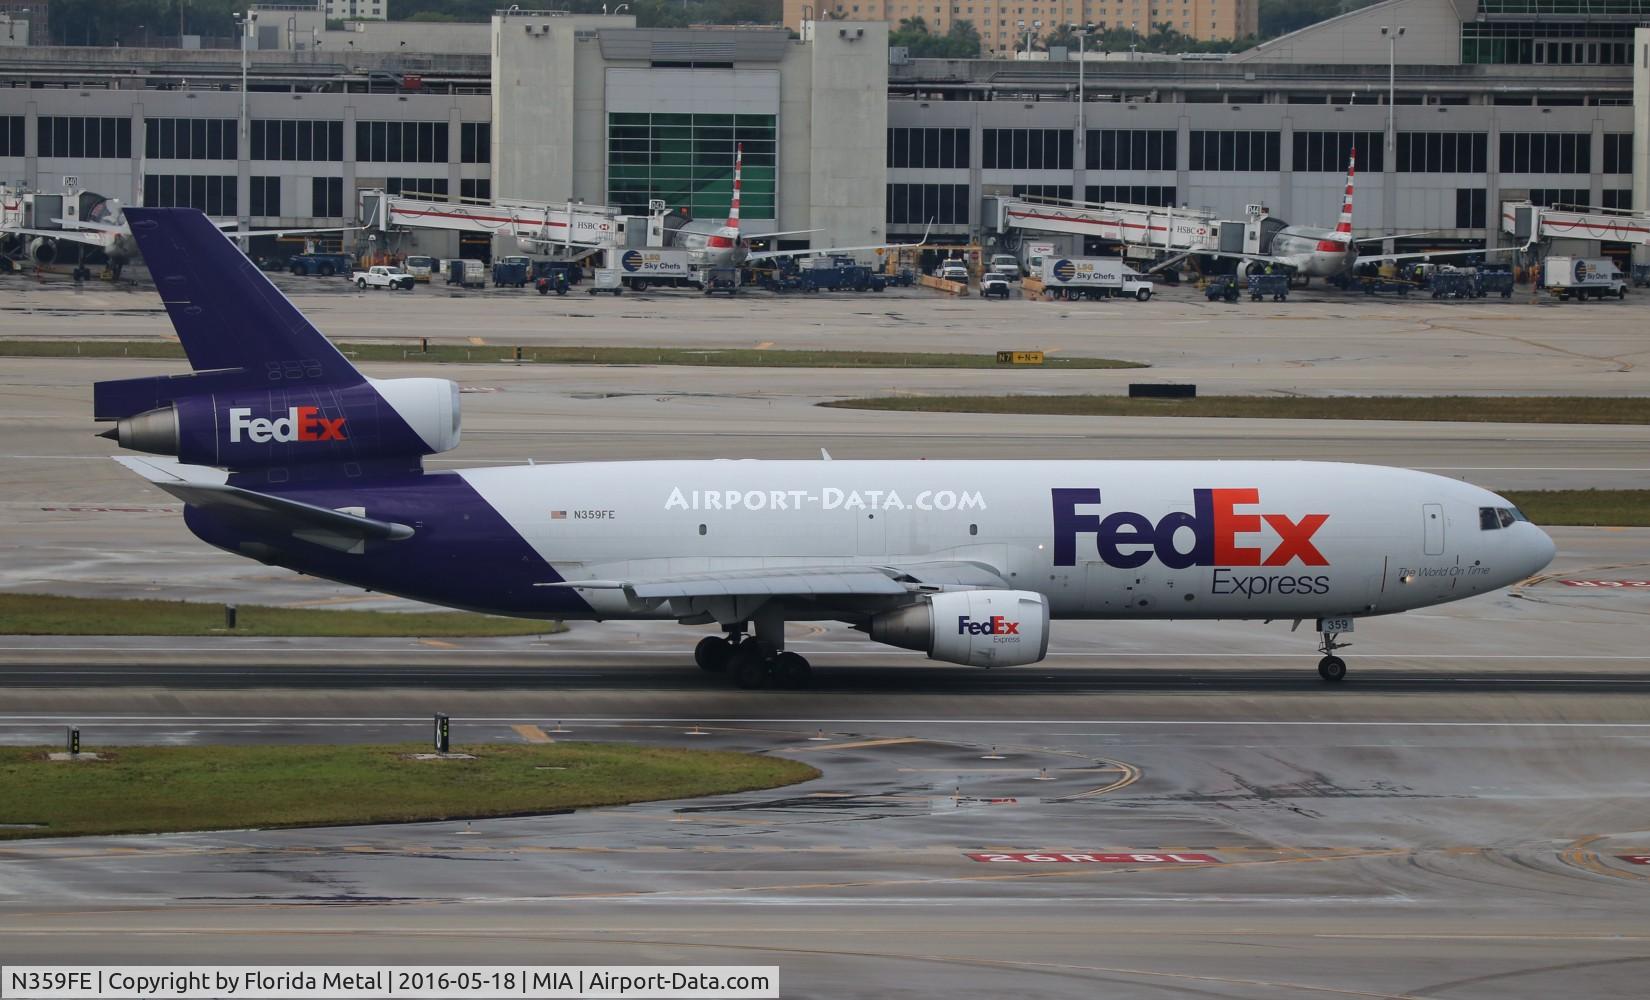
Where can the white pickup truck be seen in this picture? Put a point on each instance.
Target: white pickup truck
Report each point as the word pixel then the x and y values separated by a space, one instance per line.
pixel 384 276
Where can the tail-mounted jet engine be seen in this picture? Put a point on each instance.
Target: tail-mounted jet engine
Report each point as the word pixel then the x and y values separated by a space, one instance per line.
pixel 369 421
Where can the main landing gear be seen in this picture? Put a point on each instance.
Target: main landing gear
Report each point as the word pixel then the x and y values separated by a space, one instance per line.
pixel 1331 668
pixel 752 661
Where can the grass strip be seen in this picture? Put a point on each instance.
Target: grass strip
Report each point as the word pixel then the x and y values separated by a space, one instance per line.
pixel 1600 508
pixel 49 614
pixel 1494 409
pixel 462 353
pixel 161 789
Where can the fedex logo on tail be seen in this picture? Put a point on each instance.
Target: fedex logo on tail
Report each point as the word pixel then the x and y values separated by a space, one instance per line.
pixel 302 423
pixel 1222 529
pixel 995 625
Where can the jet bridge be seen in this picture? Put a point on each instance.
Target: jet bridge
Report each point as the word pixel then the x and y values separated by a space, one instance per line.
pixel 1166 235
pixel 567 229
pixel 1533 224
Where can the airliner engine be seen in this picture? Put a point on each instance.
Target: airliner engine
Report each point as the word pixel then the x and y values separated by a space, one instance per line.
pixel 371 421
pixel 977 628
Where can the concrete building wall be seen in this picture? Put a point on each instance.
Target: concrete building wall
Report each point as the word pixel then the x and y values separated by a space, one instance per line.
pixel 1432 36
pixel 848 140
pixel 405 36
pixel 1002 23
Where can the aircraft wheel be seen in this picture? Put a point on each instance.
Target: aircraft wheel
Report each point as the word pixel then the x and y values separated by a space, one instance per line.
pixel 791 671
pixel 712 654
pixel 750 665
pixel 1332 669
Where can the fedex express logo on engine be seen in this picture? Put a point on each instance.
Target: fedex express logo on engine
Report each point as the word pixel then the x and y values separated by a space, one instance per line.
pixel 1222 529
pixel 995 625
pixel 302 423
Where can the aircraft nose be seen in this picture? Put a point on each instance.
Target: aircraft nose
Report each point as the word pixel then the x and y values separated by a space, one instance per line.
pixel 1536 550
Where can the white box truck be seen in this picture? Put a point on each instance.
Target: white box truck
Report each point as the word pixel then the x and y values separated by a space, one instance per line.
pixel 1093 278
pixel 1582 278
pixel 645 267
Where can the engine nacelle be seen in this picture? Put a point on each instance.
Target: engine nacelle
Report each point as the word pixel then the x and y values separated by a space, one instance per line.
pixel 42 250
pixel 370 421
pixel 977 628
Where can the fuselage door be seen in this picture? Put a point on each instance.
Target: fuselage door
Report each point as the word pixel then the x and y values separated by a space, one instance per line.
pixel 1432 515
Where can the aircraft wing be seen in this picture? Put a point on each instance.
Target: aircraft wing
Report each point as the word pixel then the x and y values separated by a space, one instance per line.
pixel 343 530
pixel 281 232
pixel 802 581
pixel 1417 254
pixel 1395 236
pixel 90 237
pixel 773 254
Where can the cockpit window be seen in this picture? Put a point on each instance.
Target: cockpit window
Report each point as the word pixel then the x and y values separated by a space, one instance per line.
pixel 1505 515
pixel 1488 519
pixel 1517 514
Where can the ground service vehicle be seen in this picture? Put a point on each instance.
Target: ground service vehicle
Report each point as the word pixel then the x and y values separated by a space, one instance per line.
pixel 1093 278
pixel 954 271
pixel 1582 278
pixel 324 264
pixel 608 279
pixel 466 273
pixel 1274 285
pixel 1222 289
pixel 993 284
pixel 966 561
pixel 644 268
pixel 721 279
pixel 1007 265
pixel 552 281
pixel 421 268
pixel 512 272
pixel 384 276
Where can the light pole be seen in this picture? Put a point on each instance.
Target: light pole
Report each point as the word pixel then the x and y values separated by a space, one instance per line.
pixel 246 23
pixel 1082 33
pixel 1392 37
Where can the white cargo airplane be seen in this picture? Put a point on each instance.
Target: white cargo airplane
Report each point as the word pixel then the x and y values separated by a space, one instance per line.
pixel 1316 252
pixel 310 465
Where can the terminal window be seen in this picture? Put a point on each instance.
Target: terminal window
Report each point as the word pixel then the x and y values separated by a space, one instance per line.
pixel 1329 152
pixel 1059 192
pixel 1471 208
pixel 920 204
pixel 1565 197
pixel 475 190
pixel 327 197
pixel 475 142
pixel 1546 152
pixel 11 135
pixel 300 141
pixel 213 195
pixel 1130 149
pixel 1618 152
pixel 1235 151
pixel 88 137
pixel 265 195
pixel 934 148
pixel 190 139
pixel 1620 199
pixel 401 142
pixel 1443 152
pixel 687 161
pixel 1026 149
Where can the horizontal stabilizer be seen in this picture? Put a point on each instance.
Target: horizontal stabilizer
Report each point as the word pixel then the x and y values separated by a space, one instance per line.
pixel 208 488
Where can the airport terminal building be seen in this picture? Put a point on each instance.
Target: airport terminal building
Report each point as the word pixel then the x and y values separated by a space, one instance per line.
pixel 1487 104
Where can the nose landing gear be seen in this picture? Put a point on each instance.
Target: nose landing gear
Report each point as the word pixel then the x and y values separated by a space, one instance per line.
pixel 1331 668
